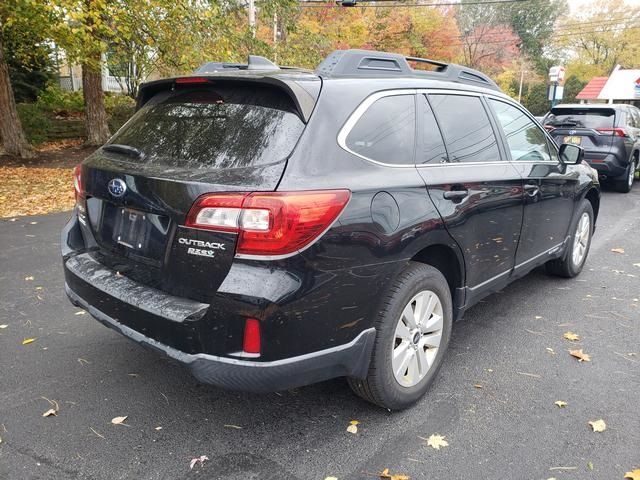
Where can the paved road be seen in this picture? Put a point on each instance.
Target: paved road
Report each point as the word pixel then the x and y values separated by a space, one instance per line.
pixel 508 429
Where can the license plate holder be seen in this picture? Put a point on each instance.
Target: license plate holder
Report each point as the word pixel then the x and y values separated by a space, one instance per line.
pixel 132 229
pixel 572 139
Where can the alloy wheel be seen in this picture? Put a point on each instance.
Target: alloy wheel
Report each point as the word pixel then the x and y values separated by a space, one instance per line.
pixel 417 338
pixel 581 239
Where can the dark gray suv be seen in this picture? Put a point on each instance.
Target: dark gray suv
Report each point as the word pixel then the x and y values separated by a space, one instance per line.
pixel 609 135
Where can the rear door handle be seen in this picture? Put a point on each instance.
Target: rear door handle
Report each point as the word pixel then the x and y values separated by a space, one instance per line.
pixel 455 194
pixel 532 190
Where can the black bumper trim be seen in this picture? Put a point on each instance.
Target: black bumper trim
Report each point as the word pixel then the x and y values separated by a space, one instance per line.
pixel 350 359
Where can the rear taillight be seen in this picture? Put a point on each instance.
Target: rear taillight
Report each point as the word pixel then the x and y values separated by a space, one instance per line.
pixel 549 128
pixel 269 223
pixel 616 132
pixel 77 181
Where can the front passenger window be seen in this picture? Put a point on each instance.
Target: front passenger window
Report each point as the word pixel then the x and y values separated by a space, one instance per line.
pixel 527 142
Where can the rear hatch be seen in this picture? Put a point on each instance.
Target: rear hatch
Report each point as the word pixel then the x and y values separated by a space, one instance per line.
pixel 590 128
pixel 189 138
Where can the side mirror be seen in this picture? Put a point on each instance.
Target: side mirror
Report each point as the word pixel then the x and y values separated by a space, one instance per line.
pixel 571 154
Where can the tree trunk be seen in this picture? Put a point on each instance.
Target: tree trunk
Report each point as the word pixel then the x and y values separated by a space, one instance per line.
pixel 95 113
pixel 11 132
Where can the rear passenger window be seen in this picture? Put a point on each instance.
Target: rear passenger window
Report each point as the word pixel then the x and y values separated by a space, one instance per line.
pixel 466 128
pixel 527 142
pixel 386 131
pixel 432 150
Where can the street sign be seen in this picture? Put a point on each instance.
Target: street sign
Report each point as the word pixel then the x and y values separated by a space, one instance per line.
pixel 556 75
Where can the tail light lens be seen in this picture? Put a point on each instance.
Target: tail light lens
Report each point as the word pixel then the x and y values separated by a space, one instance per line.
pixel 251 340
pixel 77 181
pixel 549 128
pixel 616 132
pixel 269 223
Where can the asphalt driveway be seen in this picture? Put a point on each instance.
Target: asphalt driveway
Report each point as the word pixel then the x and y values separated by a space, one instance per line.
pixel 493 399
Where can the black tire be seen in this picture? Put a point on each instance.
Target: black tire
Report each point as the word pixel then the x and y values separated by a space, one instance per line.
pixel 565 266
pixel 380 386
pixel 625 182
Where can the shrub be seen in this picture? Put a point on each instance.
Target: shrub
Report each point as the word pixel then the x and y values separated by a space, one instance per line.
pixel 60 102
pixel 36 122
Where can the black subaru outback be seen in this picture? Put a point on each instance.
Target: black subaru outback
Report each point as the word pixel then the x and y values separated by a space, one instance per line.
pixel 270 227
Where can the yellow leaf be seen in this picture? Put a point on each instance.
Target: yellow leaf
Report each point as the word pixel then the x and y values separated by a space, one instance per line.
pixel 3 326
pixel 633 475
pixel 353 426
pixel 571 336
pixel 50 413
pixel 81 312
pixel 27 341
pixel 330 478
pixel 580 355
pixel 436 441
pixel 119 420
pixel 560 403
pixel 617 250
pixel 385 475
pixel 28 279
pixel 598 425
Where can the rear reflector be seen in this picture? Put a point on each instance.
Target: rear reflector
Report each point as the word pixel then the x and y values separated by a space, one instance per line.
pixel 269 223
pixel 251 341
pixel 617 132
pixel 77 181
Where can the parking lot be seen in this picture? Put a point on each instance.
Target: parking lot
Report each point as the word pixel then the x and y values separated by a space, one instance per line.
pixel 493 400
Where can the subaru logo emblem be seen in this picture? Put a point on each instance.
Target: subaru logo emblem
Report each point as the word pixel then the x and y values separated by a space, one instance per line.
pixel 572 132
pixel 117 187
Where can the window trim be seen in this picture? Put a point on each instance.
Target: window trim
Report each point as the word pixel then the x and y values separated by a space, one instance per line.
pixel 361 109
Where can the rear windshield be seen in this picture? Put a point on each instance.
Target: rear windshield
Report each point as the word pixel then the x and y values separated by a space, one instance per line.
pixel 213 128
pixel 581 118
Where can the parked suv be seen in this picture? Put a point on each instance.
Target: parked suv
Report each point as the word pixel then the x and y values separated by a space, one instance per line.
pixel 270 227
pixel 609 134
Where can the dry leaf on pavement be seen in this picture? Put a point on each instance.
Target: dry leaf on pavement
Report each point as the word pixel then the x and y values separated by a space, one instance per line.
pixel 617 250
pixel 28 279
pixel 633 475
pixel 385 475
pixel 560 403
pixel 330 478
pixel 50 413
pixel 353 426
pixel 81 312
pixel 53 411
pixel 119 420
pixel 3 326
pixel 201 459
pixel 571 336
pixel 598 425
pixel 27 341
pixel 580 355
pixel 436 441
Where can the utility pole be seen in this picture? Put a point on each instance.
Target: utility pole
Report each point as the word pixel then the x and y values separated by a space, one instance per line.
pixel 252 17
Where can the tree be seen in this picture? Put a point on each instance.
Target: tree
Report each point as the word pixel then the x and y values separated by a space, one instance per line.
pixel 19 20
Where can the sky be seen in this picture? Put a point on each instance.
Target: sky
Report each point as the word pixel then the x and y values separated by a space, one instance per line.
pixel 577 4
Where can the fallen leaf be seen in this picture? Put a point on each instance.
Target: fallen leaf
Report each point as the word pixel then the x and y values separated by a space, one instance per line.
pixel 580 355
pixel 551 351
pixel 3 326
pixel 477 385
pixel 81 312
pixel 571 336
pixel 636 264
pixel 330 478
pixel 119 420
pixel 50 413
pixel 158 428
pixel 617 250
pixel 590 465
pixel 201 459
pixel 537 317
pixel 28 279
pixel 436 441
pixel 353 426
pixel 27 341
pixel 598 425
pixel 233 426
pixel 385 475
pixel 560 403
pixel 633 475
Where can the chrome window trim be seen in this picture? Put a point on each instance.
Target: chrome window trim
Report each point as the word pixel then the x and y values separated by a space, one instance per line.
pixel 359 111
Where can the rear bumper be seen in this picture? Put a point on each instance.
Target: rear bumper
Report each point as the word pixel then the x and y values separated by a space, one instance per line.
pixel 609 166
pixel 351 359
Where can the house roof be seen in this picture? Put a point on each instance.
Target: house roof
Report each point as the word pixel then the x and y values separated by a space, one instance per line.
pixel 592 89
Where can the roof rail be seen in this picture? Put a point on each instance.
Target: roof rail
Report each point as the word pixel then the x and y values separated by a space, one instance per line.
pixel 254 62
pixel 367 63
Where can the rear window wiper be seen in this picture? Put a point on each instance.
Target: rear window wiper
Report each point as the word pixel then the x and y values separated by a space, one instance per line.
pixel 124 149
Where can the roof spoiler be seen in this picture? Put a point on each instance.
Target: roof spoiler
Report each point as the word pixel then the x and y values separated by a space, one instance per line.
pixel 254 62
pixel 366 63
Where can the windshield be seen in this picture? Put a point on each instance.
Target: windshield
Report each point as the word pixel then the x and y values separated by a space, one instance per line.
pixel 211 128
pixel 581 118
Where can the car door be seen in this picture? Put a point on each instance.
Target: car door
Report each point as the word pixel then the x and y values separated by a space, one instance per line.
pixel 549 186
pixel 476 191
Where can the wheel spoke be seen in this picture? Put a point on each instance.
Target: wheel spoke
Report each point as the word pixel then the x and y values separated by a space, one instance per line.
pixel 413 374
pixel 434 324
pixel 423 362
pixel 430 341
pixel 408 315
pixel 403 332
pixel 402 362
